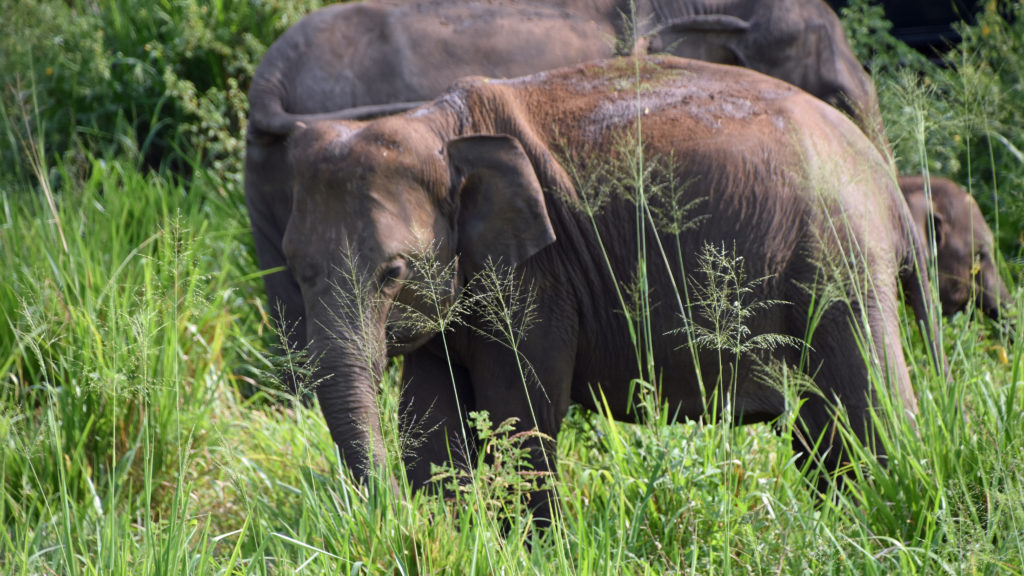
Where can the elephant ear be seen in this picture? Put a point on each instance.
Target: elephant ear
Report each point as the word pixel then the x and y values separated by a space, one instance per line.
pixel 703 37
pixel 925 215
pixel 939 226
pixel 501 211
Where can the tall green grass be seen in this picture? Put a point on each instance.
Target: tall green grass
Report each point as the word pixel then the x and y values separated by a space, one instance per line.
pixel 117 306
pixel 136 436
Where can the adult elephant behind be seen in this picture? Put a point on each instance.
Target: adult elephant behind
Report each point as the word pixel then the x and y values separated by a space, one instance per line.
pixel 358 59
pixel 525 173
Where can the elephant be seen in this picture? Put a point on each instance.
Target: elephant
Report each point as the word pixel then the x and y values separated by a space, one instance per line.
pixel 360 59
pixel 363 59
pixel 522 179
pixel 964 246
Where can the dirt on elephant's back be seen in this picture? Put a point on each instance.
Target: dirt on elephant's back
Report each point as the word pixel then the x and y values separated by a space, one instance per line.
pixel 688 95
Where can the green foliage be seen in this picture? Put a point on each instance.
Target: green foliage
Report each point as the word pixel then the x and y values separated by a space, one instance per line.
pixel 164 81
pixel 869 33
pixel 499 486
pixel 117 309
pixel 991 61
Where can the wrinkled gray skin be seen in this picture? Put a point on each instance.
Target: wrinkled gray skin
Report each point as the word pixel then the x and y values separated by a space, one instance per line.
pixel 354 60
pixel 962 240
pixel 483 174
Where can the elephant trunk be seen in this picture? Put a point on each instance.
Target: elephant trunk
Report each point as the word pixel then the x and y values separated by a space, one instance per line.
pixel 348 398
pixel 994 297
pixel 350 355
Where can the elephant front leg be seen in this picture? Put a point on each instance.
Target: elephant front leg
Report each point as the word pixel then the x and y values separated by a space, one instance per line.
pixel 434 404
pixel 533 387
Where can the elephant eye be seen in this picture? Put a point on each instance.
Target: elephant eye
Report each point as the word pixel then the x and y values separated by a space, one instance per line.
pixel 391 273
pixel 307 273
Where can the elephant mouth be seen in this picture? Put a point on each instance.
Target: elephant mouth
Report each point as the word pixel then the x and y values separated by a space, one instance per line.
pixel 402 342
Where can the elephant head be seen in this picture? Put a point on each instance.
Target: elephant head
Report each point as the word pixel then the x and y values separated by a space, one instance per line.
pixel 396 194
pixel 963 243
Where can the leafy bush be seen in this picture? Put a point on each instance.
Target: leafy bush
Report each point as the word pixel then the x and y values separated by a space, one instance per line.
pixel 991 61
pixel 163 81
pixel 870 36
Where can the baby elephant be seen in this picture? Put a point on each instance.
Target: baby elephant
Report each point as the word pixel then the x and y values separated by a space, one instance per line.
pixel 963 242
pixel 537 183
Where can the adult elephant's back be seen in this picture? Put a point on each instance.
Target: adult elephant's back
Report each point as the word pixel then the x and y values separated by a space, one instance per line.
pixel 365 59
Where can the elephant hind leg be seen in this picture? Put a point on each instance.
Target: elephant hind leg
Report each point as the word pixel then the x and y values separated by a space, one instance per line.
pixel 846 356
pixel 842 378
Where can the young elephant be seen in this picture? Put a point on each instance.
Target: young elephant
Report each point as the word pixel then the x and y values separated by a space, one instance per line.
pixel 963 243
pixel 527 173
pixel 357 59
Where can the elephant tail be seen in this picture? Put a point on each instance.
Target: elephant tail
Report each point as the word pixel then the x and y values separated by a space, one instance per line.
pixel 275 121
pixel 917 289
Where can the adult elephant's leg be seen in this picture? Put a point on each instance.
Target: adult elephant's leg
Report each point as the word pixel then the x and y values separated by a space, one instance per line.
pixel 433 407
pixel 269 201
